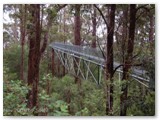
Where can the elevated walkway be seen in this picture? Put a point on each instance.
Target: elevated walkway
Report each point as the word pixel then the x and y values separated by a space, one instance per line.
pixel 68 52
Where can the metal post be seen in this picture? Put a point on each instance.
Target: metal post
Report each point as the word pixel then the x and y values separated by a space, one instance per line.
pixel 53 64
pixel 98 74
pixel 119 77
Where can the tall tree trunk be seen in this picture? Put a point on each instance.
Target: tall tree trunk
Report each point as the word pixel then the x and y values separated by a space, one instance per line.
pixel 77 40
pixel 151 30
pixel 77 28
pixel 34 55
pixel 64 32
pixel 151 34
pixel 94 23
pixel 35 52
pixel 58 68
pixel 22 31
pixel 124 32
pixel 68 100
pixel 77 36
pixel 15 25
pixel 109 60
pixel 53 65
pixel 128 59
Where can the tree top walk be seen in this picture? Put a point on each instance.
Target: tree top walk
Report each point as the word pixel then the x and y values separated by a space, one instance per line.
pixel 95 56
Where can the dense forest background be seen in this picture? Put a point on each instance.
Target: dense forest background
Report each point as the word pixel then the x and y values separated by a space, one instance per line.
pixel 36 83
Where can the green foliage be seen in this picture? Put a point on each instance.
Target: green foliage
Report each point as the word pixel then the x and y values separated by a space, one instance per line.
pixel 94 99
pixel 89 100
pixel 149 104
pixel 149 65
pixel 117 85
pixel 43 97
pixel 52 103
pixel 141 101
pixel 12 60
pixel 51 13
pixel 6 37
pixel 86 100
pixel 60 108
pixel 83 112
pixel 144 107
pixel 61 96
pixel 14 98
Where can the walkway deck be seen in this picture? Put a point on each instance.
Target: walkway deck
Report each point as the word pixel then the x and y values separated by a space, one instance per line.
pixel 94 56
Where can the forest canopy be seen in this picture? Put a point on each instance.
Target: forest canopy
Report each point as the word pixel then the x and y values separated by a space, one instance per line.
pixel 78 59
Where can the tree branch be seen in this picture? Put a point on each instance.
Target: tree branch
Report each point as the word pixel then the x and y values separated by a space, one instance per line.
pixel 44 43
pixel 142 7
pixel 60 7
pixel 101 15
pixel 101 50
pixel 49 24
pixel 124 65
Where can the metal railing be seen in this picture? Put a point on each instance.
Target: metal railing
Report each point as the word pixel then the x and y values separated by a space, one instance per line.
pixel 95 56
pixel 81 51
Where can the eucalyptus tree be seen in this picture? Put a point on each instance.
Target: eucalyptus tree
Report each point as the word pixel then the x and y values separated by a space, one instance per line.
pixel 135 38
pixel 128 59
pixel 110 22
pixel 23 10
pixel 34 55
pixel 77 35
pixel 35 48
pixel 16 29
pixel 94 23
pixel 109 57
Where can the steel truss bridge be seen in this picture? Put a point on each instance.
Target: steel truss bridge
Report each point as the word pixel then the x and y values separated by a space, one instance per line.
pixel 85 62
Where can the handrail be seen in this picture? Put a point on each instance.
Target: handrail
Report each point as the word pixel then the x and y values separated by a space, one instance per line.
pixel 94 55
